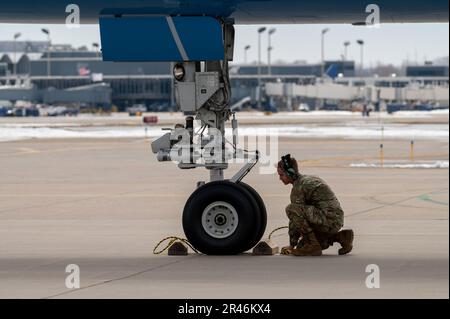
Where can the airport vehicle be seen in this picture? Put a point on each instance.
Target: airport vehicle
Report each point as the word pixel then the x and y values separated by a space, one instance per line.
pixel 18 112
pixel 397 107
pixel 221 216
pixel 304 107
pixel 136 110
pixel 6 111
pixel 59 111
pixel 5 108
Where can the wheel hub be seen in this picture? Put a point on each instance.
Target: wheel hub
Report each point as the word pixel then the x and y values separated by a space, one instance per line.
pixel 220 220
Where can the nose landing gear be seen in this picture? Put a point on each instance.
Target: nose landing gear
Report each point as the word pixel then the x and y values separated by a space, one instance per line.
pixel 221 217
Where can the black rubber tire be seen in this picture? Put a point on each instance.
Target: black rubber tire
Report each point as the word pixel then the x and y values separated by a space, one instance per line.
pixel 243 202
pixel 262 213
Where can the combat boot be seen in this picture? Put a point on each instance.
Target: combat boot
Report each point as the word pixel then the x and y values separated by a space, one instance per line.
pixel 345 239
pixel 325 239
pixel 310 246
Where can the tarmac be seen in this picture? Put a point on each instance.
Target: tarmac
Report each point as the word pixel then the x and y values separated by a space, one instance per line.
pixel 103 204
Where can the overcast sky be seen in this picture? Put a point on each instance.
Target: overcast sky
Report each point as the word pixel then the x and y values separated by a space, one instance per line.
pixel 391 43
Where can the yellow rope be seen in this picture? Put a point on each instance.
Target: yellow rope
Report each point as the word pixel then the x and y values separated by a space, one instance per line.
pixel 275 230
pixel 172 239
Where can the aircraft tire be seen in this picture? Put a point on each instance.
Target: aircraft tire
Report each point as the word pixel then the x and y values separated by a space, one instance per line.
pixel 221 218
pixel 262 212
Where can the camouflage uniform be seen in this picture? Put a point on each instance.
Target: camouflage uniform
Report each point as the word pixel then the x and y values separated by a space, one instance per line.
pixel 313 208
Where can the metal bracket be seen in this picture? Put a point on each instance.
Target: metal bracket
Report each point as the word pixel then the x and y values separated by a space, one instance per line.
pixel 246 169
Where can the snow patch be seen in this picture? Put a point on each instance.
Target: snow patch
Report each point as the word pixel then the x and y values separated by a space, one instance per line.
pixel 438 164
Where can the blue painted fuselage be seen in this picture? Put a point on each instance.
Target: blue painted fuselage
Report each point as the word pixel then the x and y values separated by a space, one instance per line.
pixel 242 11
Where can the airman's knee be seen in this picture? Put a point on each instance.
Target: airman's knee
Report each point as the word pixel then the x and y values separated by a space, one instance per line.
pixel 293 210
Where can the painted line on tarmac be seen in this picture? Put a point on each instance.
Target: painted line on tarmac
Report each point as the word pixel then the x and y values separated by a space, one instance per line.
pixel 424 197
pixel 90 197
pixel 28 151
pixel 427 198
pixel 391 204
pixel 388 204
pixel 184 258
pixel 375 200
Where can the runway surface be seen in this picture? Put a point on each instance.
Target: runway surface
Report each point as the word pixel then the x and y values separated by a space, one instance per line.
pixel 104 203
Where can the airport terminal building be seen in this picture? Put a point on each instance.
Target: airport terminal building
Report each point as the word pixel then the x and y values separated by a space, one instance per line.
pixel 60 74
pixel 39 68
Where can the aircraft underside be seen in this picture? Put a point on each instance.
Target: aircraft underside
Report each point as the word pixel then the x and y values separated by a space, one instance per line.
pixel 241 11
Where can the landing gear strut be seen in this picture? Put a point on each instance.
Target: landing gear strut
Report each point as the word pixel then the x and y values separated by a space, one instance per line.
pixel 222 216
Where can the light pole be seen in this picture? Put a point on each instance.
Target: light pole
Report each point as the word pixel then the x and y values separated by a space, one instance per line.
pixel 16 36
pixel 47 32
pixel 344 56
pixel 322 69
pixel 269 51
pixel 260 31
pixel 361 43
pixel 247 47
pixel 96 46
pixel 346 44
pixel 269 66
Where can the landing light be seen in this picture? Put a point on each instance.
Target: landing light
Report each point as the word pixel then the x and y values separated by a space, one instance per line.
pixel 178 72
